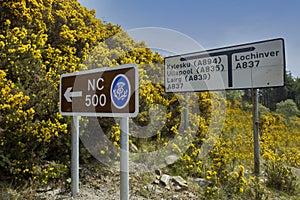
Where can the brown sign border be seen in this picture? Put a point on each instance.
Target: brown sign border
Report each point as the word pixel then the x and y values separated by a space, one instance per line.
pixel 78 82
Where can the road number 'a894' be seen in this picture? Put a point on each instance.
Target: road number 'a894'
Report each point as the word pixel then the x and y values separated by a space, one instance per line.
pixel 95 100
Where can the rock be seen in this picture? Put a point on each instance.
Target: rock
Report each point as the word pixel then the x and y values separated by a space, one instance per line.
pixel 179 181
pixel 202 182
pixel 158 191
pixel 54 192
pixel 165 179
pixel 133 148
pixel 156 181
pixel 171 159
pixel 191 195
pixel 158 172
pixel 149 187
pixel 178 188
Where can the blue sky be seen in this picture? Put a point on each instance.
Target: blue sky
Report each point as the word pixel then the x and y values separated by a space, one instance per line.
pixel 211 23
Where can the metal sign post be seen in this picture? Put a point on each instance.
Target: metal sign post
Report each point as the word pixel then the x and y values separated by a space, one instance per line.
pixel 255 100
pixel 101 92
pixel 75 157
pixel 124 162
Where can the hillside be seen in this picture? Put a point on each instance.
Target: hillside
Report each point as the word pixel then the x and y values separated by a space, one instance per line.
pixel 42 39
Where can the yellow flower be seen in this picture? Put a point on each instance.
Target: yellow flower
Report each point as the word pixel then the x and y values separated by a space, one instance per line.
pixel 241 190
pixel 30 111
pixel 25 170
pixel 11 50
pixel 241 169
pixel 7 22
pixel 116 144
pixel 236 175
pixel 2 44
pixel 198 170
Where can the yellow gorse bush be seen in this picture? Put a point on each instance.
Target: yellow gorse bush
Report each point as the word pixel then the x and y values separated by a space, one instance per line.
pixel 40 40
pixel 229 164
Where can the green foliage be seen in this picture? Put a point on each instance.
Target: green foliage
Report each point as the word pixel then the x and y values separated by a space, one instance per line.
pixel 287 108
pixel 271 96
pixel 297 92
pixel 262 109
pixel 257 189
pixel 234 95
pixel 281 177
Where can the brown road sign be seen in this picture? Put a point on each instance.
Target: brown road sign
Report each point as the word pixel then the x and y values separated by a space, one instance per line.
pixel 106 92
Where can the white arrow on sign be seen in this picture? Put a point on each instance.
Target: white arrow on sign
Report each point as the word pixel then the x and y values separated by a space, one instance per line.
pixel 68 94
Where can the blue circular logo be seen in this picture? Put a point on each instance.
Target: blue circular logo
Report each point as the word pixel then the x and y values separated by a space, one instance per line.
pixel 120 91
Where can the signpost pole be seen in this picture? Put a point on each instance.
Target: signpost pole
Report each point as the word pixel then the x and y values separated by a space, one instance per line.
pixel 256 132
pixel 86 93
pixel 75 157
pixel 186 111
pixel 124 160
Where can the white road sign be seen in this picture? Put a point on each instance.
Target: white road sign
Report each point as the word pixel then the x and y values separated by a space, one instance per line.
pixel 253 65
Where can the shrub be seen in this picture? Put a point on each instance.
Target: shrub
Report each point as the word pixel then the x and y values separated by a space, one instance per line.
pixel 280 177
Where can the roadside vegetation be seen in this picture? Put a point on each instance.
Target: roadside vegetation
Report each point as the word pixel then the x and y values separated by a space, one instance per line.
pixel 40 40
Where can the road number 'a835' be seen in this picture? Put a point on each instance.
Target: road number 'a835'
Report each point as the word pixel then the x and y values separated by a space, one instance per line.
pixel 95 100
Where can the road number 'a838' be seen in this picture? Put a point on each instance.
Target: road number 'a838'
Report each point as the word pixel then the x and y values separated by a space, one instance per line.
pixel 95 100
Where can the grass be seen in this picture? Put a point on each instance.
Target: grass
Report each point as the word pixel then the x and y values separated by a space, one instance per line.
pixel 11 191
